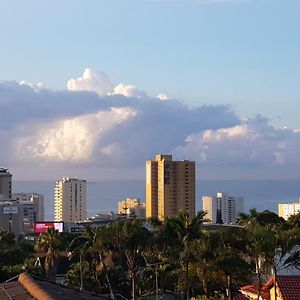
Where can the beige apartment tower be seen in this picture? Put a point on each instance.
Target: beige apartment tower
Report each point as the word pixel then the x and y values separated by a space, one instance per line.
pixel 170 187
pixel 70 200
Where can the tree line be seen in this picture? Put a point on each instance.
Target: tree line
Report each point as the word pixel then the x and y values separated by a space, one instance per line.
pixel 135 258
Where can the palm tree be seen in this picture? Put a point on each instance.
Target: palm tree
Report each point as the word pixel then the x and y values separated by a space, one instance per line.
pixel 79 246
pixel 50 243
pixel 129 238
pixel 187 231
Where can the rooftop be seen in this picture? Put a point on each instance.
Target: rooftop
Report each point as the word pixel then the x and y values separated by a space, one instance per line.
pixel 26 288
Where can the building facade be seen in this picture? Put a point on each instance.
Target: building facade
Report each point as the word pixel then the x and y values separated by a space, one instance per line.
pixel 170 187
pixel 17 216
pixel 37 199
pixel 132 206
pixel 5 184
pixel 285 210
pixel 70 200
pixel 222 208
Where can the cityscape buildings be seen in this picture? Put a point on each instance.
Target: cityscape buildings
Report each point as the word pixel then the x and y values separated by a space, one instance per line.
pixel 285 210
pixel 132 206
pixel 5 184
pixel 170 187
pixel 37 199
pixel 17 216
pixel 222 208
pixel 70 200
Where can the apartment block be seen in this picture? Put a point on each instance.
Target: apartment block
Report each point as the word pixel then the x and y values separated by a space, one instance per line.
pixel 17 216
pixel 37 199
pixel 170 187
pixel 70 200
pixel 5 184
pixel 285 210
pixel 222 208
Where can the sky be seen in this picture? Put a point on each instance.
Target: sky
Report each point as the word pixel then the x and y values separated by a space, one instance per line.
pixel 93 88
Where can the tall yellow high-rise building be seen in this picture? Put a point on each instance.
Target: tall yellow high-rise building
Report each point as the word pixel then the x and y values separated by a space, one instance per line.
pixel 170 187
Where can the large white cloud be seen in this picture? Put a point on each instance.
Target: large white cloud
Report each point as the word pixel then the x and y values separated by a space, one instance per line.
pixel 119 127
pixel 74 140
pixel 252 143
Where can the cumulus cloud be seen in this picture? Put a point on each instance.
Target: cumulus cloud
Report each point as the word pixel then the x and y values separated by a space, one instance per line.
pixel 127 90
pixel 91 81
pixel 93 123
pixel 73 140
pixel 252 143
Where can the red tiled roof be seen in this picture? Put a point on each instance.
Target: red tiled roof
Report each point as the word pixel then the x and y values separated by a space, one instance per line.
pixel 289 287
pixel 253 289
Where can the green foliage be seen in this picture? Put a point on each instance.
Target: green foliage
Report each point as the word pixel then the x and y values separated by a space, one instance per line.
pixel 178 255
pixel 49 243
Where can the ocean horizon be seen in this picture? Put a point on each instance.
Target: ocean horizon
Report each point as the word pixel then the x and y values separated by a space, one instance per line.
pixel 103 196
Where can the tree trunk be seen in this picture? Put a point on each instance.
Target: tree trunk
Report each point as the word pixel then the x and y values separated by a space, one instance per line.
pixel 81 277
pixel 187 288
pixel 112 294
pixel 133 286
pixel 275 280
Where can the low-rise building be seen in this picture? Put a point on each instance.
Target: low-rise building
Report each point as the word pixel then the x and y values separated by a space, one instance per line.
pixel 285 210
pixel 37 199
pixel 132 206
pixel 287 288
pixel 18 216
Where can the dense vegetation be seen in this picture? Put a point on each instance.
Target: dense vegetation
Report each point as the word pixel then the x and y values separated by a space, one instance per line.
pixel 180 255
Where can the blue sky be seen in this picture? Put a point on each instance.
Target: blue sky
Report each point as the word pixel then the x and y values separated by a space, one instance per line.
pixel 215 81
pixel 242 53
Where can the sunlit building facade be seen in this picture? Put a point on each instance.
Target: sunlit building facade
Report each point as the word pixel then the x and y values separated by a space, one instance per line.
pixel 285 210
pixel 170 187
pixel 70 200
pixel 132 206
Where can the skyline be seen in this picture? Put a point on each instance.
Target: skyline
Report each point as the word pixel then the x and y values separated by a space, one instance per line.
pixel 95 89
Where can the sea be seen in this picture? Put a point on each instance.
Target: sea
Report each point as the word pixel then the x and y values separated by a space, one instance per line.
pixel 103 196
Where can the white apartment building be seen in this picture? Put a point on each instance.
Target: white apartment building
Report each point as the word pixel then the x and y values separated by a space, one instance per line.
pixel 37 199
pixel 285 210
pixel 70 200
pixel 5 184
pixel 223 208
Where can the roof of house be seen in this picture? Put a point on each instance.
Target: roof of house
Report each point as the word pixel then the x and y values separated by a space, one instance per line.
pixel 289 287
pixel 27 288
pixel 253 290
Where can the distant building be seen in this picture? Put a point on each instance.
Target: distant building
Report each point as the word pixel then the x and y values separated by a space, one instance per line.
pixel 70 200
pixel 37 199
pixel 99 220
pixel 5 184
pixel 170 187
pixel 132 206
pixel 222 208
pixel 17 216
pixel 285 210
